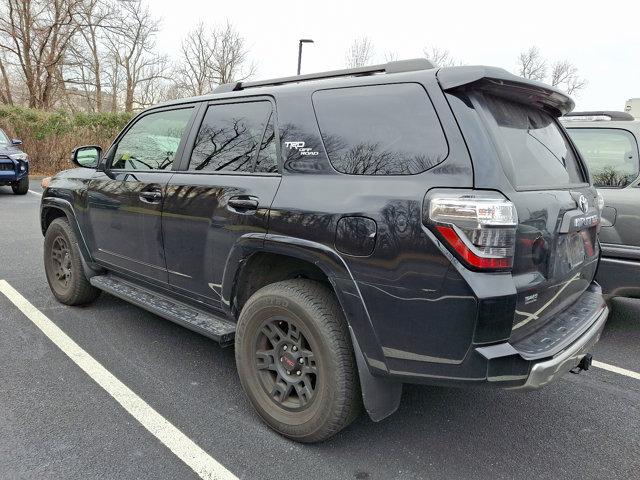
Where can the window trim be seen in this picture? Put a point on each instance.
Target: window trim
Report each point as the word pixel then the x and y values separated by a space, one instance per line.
pixel 395 175
pixel 108 159
pixel 636 181
pixel 197 124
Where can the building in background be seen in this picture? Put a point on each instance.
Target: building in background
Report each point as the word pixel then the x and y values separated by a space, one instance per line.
pixel 633 107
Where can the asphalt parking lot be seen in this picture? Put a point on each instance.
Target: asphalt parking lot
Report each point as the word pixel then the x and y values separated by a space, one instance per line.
pixel 57 422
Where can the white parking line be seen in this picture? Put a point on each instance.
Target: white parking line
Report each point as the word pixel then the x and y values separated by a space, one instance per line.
pixel 181 445
pixel 35 193
pixel 618 370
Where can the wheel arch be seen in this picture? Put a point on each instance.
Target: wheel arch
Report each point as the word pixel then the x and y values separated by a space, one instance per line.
pixel 381 396
pixel 52 208
pixel 318 262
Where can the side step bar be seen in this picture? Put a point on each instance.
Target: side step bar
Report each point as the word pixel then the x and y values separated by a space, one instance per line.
pixel 205 323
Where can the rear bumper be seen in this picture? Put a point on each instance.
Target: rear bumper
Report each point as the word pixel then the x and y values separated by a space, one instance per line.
pixel 546 371
pixel 528 363
pixel 553 349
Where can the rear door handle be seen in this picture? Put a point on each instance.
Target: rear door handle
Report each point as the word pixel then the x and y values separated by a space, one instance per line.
pixel 151 196
pixel 243 204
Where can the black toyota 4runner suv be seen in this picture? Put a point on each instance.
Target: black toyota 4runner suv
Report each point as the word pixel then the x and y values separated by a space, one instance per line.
pixel 351 231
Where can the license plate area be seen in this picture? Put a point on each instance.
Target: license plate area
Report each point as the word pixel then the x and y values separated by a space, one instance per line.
pixel 572 251
pixel 575 249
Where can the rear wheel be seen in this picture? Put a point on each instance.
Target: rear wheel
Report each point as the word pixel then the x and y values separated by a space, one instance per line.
pixel 295 360
pixel 63 266
pixel 21 187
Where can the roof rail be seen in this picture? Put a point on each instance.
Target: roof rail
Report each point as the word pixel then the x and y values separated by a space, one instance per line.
pixel 389 67
pixel 600 115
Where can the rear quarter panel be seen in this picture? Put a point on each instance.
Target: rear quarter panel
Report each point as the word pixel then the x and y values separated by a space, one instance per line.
pixel 403 280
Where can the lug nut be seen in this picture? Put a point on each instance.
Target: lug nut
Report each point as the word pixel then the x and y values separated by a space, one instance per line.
pixel 295 349
pixel 284 348
pixel 298 373
pixel 281 358
pixel 301 361
pixel 288 372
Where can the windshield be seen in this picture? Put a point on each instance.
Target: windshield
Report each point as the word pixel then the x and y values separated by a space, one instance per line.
pixel 4 140
pixel 534 150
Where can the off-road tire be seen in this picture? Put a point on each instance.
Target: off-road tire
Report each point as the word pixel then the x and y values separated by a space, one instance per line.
pixel 76 290
pixel 21 187
pixel 336 398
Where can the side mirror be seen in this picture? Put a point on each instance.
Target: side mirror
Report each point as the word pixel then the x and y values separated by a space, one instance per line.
pixel 16 141
pixel 87 156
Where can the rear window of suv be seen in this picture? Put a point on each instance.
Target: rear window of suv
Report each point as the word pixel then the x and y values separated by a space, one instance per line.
pixel 388 129
pixel 611 154
pixel 533 149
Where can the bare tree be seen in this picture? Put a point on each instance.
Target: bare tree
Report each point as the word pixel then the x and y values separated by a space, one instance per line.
pixel 564 75
pixel 132 47
pixel 360 53
pixel 390 56
pixel 36 34
pixel 87 52
pixel 211 57
pixel 230 56
pixel 5 87
pixel 531 64
pixel 195 72
pixel 440 57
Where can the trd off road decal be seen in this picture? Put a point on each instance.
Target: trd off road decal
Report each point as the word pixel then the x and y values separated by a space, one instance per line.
pixel 302 150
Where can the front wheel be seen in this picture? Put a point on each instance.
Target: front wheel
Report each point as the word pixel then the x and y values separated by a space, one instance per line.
pixel 295 360
pixel 63 266
pixel 21 187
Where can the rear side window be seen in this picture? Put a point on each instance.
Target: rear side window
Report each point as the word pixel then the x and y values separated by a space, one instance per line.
pixel 535 152
pixel 380 130
pixel 611 155
pixel 232 138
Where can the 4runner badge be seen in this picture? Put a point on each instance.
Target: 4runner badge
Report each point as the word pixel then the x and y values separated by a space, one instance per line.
pixel 302 150
pixel 530 299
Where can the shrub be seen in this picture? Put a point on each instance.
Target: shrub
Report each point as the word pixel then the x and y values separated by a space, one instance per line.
pixel 49 137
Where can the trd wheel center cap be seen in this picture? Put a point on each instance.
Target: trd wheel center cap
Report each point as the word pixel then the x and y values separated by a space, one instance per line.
pixel 289 362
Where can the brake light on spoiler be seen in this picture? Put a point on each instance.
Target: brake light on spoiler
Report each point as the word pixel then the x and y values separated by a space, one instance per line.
pixel 478 227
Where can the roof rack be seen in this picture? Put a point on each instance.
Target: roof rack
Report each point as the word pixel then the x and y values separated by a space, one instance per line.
pixel 598 116
pixel 389 67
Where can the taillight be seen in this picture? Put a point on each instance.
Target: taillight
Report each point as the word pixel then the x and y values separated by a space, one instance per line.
pixel 479 227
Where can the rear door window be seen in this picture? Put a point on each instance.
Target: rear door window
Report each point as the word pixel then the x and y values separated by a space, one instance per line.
pixel 232 139
pixel 533 149
pixel 380 129
pixel 611 155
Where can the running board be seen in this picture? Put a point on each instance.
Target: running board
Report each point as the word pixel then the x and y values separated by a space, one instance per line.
pixel 216 328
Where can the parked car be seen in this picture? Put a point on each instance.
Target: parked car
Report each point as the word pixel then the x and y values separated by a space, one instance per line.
pixel 353 230
pixel 608 142
pixel 14 165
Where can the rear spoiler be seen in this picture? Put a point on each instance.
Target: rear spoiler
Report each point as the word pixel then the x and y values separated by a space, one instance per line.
pixel 501 83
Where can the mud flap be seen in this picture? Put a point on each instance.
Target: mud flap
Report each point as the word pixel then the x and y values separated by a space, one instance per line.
pixel 380 396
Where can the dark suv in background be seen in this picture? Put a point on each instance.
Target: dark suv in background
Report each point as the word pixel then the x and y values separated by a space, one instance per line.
pixel 353 230
pixel 14 165
pixel 608 142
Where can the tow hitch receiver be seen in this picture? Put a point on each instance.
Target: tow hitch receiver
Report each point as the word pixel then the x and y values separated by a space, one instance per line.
pixel 584 364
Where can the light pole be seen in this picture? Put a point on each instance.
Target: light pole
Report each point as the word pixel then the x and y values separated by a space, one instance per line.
pixel 300 42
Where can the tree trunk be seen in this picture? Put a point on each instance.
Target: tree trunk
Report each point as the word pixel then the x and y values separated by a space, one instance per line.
pixel 6 96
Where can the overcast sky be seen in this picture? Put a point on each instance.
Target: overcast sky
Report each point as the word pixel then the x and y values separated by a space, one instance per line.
pixel 601 38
